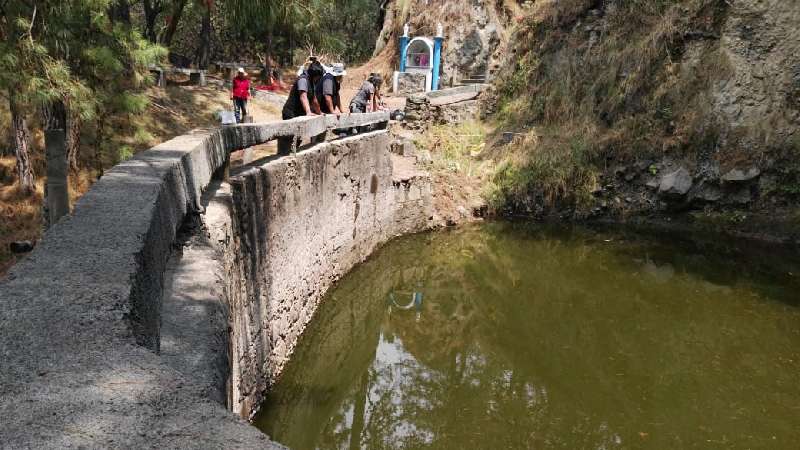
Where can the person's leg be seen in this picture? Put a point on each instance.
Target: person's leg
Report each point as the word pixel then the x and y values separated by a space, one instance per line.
pixel 244 108
pixel 237 110
pixel 285 143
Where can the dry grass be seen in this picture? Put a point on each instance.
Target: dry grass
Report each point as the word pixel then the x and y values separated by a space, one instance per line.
pixel 457 148
pixel 588 86
pixel 458 168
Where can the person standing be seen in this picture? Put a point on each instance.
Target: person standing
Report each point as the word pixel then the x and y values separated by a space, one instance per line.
pixel 240 92
pixel 327 90
pixel 366 98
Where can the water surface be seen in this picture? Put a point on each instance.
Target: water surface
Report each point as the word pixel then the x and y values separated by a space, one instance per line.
pixel 512 336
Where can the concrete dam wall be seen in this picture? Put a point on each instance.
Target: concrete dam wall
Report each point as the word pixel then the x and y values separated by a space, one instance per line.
pixel 94 334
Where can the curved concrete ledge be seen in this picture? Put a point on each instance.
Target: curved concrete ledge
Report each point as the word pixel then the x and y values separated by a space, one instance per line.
pixel 299 224
pixel 80 316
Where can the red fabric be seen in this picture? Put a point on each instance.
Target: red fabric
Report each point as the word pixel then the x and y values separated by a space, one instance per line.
pixel 241 87
pixel 275 86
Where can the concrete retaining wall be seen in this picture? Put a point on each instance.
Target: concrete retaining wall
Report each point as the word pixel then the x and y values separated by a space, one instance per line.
pixel 302 223
pixel 80 316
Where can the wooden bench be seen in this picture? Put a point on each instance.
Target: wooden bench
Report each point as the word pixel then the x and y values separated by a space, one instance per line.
pixel 228 69
pixel 196 76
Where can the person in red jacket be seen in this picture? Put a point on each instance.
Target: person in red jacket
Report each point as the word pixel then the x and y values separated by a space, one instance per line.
pixel 240 93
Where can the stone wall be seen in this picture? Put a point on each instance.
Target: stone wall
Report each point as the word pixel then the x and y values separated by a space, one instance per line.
pixel 81 315
pixel 445 106
pixel 300 224
pixel 410 83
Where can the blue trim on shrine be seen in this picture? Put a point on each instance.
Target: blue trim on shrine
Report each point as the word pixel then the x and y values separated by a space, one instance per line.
pixel 403 52
pixel 437 56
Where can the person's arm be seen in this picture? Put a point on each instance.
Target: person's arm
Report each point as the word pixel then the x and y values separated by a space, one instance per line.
pixel 233 87
pixel 315 105
pixel 303 88
pixel 374 101
pixel 329 103
pixel 306 105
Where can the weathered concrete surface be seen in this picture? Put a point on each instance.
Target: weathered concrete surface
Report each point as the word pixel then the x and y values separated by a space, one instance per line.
pixel 72 312
pixel 301 223
pixel 80 316
pixel 194 319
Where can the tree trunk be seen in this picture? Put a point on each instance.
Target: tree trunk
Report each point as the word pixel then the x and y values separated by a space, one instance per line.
pixel 22 139
pixel 151 11
pixel 54 118
pixel 389 11
pixel 204 51
pixel 73 132
pixel 172 22
pixel 120 11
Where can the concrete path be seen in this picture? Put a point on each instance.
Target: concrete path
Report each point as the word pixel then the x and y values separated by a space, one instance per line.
pixel 194 323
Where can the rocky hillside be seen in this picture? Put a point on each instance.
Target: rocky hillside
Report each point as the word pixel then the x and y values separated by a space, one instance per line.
pixel 642 108
pixel 476 34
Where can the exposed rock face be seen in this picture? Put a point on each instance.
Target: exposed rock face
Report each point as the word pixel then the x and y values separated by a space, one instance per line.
pixel 731 79
pixel 410 83
pixel 740 176
pixel 761 40
pixel 474 32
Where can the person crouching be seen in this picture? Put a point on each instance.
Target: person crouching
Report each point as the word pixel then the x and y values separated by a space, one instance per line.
pixel 327 90
pixel 366 98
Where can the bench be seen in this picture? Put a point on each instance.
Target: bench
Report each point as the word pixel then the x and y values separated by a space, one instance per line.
pixel 196 76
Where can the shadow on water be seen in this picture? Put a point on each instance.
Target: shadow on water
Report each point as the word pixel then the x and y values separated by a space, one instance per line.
pixel 514 336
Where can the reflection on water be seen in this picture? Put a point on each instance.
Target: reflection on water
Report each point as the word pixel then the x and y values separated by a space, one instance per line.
pixel 507 336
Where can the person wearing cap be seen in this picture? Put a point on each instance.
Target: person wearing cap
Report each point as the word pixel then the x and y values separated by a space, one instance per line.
pixel 301 100
pixel 240 92
pixel 327 89
pixel 366 99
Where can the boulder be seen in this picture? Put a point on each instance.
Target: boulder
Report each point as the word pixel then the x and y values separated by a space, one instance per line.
pixel 741 176
pixel 676 184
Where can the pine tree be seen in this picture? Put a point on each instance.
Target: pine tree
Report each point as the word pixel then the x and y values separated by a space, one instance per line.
pixel 73 63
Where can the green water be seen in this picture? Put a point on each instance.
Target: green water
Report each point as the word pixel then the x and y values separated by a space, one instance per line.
pixel 520 337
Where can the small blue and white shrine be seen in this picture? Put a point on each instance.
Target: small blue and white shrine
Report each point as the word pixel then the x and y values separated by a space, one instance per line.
pixel 419 56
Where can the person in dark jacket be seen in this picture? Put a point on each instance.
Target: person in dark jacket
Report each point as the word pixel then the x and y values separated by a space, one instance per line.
pixel 302 101
pixel 328 88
